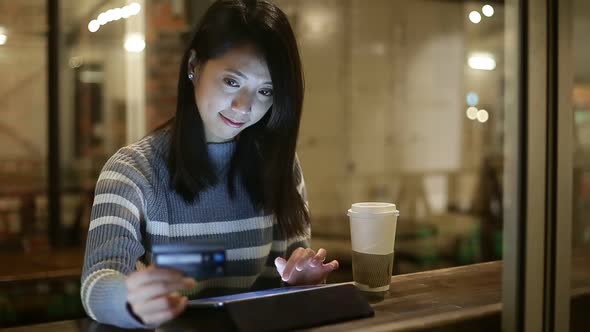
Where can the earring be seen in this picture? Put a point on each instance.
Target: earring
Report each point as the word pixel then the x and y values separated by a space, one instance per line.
pixel 191 76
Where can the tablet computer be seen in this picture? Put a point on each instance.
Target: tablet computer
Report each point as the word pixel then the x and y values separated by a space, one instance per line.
pixel 285 308
pixel 219 301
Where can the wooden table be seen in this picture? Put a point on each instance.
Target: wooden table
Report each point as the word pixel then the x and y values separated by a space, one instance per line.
pixel 441 300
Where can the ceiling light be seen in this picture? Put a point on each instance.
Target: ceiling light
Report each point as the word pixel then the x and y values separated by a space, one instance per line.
pixel 482 116
pixel 134 43
pixel 3 36
pixel 482 62
pixel 472 98
pixel 93 26
pixel 487 10
pixel 475 17
pixel 471 113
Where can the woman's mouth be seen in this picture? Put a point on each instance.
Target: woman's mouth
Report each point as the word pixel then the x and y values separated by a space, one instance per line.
pixel 230 122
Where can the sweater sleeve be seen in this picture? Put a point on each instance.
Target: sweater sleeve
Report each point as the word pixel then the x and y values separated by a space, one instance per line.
pixel 114 243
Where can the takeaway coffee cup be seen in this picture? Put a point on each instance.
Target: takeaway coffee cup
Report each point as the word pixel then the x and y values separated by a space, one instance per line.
pixel 372 232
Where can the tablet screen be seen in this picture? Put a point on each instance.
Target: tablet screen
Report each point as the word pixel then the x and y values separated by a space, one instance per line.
pixel 220 300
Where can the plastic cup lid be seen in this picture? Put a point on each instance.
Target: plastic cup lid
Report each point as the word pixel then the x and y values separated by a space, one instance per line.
pixel 373 208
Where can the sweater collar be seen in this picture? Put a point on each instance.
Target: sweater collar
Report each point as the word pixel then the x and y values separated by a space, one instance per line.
pixel 221 154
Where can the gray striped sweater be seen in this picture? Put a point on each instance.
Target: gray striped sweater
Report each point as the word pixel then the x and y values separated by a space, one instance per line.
pixel 135 208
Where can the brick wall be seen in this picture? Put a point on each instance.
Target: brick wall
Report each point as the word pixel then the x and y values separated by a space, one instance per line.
pixel 164 31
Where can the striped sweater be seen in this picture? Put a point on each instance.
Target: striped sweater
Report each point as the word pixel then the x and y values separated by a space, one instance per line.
pixel 135 208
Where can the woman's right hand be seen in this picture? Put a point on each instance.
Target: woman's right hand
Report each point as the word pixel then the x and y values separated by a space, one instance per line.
pixel 152 294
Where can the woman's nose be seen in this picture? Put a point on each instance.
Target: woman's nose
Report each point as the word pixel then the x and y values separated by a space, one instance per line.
pixel 242 103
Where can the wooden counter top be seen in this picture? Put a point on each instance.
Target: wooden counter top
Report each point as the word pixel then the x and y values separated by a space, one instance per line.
pixel 425 300
pixel 434 298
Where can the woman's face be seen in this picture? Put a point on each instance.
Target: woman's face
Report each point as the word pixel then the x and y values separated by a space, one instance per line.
pixel 233 92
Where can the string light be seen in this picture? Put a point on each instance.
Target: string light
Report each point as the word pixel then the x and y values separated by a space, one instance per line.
pixel 112 15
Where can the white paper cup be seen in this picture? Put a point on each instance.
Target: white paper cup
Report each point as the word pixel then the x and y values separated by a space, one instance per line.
pixel 372 232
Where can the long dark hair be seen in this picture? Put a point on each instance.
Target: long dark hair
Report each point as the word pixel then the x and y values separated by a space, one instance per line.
pixel 264 157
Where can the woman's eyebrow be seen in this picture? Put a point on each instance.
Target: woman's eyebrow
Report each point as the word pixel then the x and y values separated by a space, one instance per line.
pixel 239 73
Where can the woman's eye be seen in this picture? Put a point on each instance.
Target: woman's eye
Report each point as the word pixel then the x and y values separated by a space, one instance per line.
pixel 231 82
pixel 266 92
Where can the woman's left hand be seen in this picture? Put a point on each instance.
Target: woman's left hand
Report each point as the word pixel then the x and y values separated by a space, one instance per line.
pixel 305 267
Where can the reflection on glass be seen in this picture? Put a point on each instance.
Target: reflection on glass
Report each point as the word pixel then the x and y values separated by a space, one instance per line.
pixel 475 17
pixel 581 162
pixel 103 46
pixel 395 111
pixel 581 104
pixel 23 127
pixel 482 62
pixel 487 10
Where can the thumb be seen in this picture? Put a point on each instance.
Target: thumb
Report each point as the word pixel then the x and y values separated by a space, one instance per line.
pixel 280 263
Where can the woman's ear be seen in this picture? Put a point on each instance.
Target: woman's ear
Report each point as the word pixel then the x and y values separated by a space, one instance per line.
pixel 192 64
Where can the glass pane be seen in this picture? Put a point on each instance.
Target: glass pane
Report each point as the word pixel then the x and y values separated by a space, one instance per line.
pixel 23 127
pixel 102 89
pixel 581 96
pixel 23 152
pixel 404 103
pixel 581 171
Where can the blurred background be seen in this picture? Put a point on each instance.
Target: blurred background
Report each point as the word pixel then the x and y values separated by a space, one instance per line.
pixel 404 103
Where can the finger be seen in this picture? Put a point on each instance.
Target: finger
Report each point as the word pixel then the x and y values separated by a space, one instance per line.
pixel 152 274
pixel 333 265
pixel 319 258
pixel 290 267
pixel 169 303
pixel 305 259
pixel 280 263
pixel 326 269
pixel 158 288
pixel 164 316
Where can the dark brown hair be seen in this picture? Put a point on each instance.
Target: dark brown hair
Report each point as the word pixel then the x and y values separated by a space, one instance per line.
pixel 265 155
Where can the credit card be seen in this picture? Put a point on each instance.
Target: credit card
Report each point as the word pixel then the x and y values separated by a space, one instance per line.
pixel 200 260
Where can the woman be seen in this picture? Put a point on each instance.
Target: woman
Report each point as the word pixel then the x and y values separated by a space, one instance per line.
pixel 223 168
